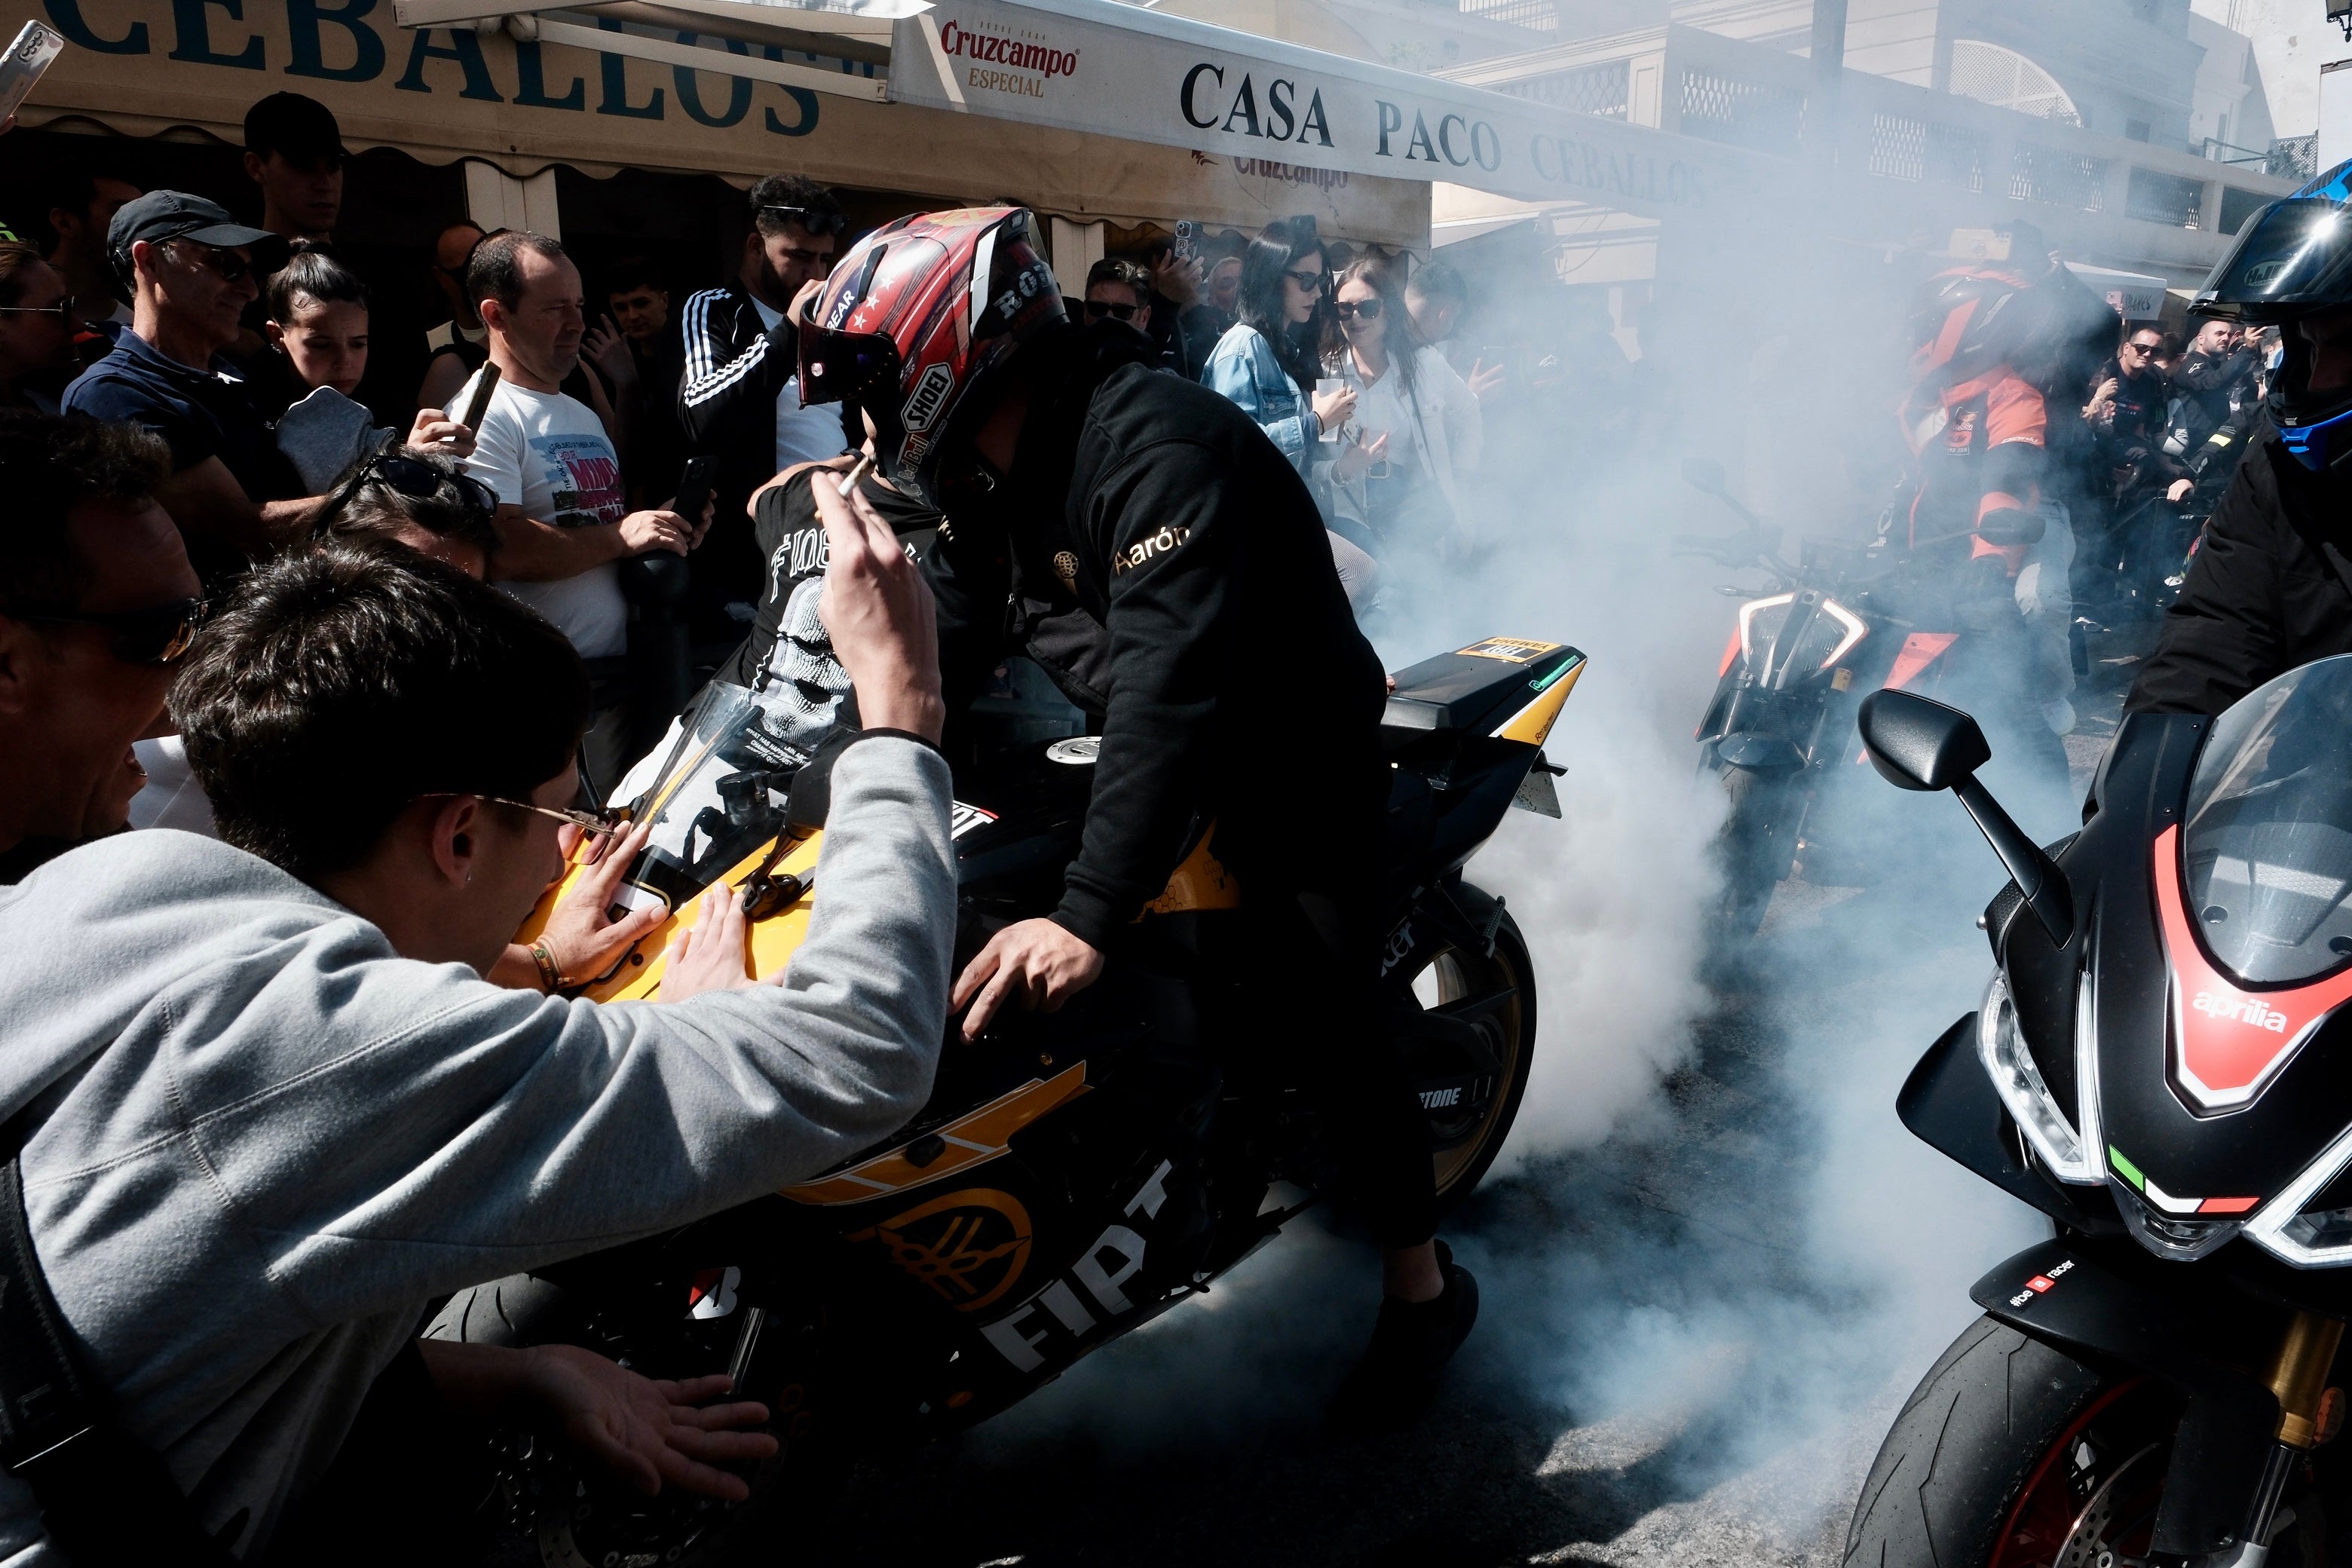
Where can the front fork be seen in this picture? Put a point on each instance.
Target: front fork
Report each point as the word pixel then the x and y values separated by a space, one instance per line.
pixel 2308 1413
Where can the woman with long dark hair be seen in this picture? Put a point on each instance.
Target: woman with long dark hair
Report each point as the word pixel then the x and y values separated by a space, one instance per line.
pixel 1393 481
pixel 1265 360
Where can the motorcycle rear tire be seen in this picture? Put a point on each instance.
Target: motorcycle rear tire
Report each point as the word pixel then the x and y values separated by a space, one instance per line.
pixel 1461 973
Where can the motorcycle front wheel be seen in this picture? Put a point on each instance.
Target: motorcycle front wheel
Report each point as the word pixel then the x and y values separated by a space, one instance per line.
pixel 2010 1454
pixel 1755 845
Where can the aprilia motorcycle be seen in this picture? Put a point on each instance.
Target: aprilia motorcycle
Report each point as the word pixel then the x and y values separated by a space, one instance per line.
pixel 1075 1173
pixel 1822 634
pixel 2162 1064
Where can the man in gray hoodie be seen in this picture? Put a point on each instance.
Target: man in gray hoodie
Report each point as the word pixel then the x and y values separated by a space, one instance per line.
pixel 268 1106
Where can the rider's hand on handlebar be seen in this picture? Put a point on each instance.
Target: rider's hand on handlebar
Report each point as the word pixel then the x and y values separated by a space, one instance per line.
pixel 1036 961
pixel 879 610
pixel 580 934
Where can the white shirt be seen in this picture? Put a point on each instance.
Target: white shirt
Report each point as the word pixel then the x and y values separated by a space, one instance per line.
pixel 548 455
pixel 1439 408
pixel 802 434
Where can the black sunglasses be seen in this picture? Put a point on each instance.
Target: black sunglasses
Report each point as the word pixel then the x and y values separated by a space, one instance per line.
pixel 1349 309
pixel 1312 282
pixel 63 310
pixel 810 219
pixel 155 636
pixel 1098 309
pixel 225 265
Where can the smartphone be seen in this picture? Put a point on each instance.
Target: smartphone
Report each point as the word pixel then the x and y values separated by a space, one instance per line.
pixel 475 400
pixel 22 66
pixel 694 489
pixel 1188 240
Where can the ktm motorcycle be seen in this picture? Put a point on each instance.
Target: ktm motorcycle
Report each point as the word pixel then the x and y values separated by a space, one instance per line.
pixel 2162 1065
pixel 1821 635
pixel 1075 1173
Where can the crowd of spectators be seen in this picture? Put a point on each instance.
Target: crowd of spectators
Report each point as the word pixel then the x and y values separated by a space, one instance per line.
pixel 2167 425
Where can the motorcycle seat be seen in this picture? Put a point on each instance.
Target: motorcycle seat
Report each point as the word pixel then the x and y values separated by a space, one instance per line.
pixel 1473 691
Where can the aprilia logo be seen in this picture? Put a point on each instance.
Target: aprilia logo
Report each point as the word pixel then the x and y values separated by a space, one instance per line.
pixel 2246 1010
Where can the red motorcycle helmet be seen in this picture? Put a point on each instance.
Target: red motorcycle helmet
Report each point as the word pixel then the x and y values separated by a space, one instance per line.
pixel 918 318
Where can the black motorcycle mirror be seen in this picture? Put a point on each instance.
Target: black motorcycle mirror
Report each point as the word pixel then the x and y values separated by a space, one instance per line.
pixel 2009 526
pixel 1922 745
pixel 1703 474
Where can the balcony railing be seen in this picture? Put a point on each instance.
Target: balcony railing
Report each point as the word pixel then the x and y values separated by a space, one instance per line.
pixel 1542 16
pixel 1605 89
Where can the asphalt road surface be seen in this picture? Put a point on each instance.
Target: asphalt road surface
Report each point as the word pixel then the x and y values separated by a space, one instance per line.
pixel 1693 1335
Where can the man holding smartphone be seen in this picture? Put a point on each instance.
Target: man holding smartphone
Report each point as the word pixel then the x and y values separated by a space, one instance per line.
pixel 192 271
pixel 564 523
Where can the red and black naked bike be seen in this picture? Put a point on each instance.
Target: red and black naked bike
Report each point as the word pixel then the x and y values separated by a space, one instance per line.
pixel 1076 1174
pixel 1822 633
pixel 2162 1065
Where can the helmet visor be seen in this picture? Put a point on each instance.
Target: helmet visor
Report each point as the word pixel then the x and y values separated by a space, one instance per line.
pixel 2294 256
pixel 838 366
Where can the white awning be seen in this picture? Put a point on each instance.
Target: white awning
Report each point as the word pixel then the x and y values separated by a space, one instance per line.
pixel 1103 68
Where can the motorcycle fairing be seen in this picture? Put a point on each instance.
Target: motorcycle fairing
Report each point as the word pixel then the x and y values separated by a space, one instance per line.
pixel 971 1139
pixel 2231 1042
pixel 1948 1104
pixel 2059 1293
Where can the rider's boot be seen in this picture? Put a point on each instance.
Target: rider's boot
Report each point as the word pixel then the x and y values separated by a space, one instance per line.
pixel 1398 1373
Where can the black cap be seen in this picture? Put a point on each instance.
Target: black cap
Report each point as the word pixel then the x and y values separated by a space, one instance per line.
pixel 159 216
pixel 299 129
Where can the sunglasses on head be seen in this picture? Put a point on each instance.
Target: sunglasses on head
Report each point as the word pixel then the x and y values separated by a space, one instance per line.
pixel 155 636
pixel 810 219
pixel 405 475
pixel 1349 309
pixel 1312 282
pixel 1098 309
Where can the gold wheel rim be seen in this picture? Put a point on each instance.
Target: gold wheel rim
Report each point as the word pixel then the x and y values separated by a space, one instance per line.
pixel 1451 1164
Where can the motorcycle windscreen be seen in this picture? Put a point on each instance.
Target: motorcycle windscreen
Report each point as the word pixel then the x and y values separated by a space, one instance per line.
pixel 715 797
pixel 2267 849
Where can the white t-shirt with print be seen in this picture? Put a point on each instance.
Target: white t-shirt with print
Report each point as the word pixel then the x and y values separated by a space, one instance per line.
pixel 802 434
pixel 548 455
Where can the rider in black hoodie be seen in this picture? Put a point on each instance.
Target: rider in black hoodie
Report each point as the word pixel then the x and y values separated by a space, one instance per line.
pixel 2270 585
pixel 1143 540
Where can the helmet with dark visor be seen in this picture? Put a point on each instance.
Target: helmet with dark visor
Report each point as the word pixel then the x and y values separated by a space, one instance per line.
pixel 2294 257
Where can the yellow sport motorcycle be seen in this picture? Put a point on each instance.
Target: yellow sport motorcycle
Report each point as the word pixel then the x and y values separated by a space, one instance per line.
pixel 1075 1173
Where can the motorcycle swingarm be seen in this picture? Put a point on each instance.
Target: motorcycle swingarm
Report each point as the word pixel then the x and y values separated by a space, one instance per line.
pixel 2057 1294
pixel 1950 1105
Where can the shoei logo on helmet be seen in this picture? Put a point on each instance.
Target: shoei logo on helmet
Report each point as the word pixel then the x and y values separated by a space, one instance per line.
pixel 930 393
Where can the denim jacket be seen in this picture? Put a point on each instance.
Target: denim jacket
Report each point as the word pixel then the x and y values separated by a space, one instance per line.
pixel 1243 370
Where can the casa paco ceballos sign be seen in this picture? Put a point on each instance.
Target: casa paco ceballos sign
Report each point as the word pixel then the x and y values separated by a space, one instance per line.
pixel 1119 70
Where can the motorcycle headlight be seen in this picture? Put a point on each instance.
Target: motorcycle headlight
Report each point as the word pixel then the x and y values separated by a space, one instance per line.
pixel 2018 1079
pixel 2309 1223
pixel 1760 620
pixel 1851 629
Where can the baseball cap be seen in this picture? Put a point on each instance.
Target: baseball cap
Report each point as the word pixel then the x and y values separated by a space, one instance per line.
pixel 299 129
pixel 159 216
